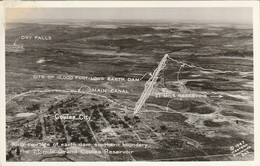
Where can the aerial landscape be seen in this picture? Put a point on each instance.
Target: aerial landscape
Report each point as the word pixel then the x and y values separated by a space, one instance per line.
pixel 129 90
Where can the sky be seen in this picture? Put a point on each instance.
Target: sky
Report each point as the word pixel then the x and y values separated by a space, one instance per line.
pixel 209 14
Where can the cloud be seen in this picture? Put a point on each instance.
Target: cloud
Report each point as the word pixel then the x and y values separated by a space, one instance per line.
pixel 209 14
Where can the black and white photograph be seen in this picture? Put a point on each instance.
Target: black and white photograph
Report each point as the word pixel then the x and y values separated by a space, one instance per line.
pixel 129 84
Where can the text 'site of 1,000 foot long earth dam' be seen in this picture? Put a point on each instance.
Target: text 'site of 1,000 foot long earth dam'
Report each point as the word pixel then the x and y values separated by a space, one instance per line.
pixel 129 91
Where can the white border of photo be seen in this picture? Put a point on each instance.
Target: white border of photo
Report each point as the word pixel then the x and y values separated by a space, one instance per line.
pixel 131 4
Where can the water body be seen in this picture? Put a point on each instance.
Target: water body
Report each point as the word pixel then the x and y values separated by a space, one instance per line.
pixel 24 114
